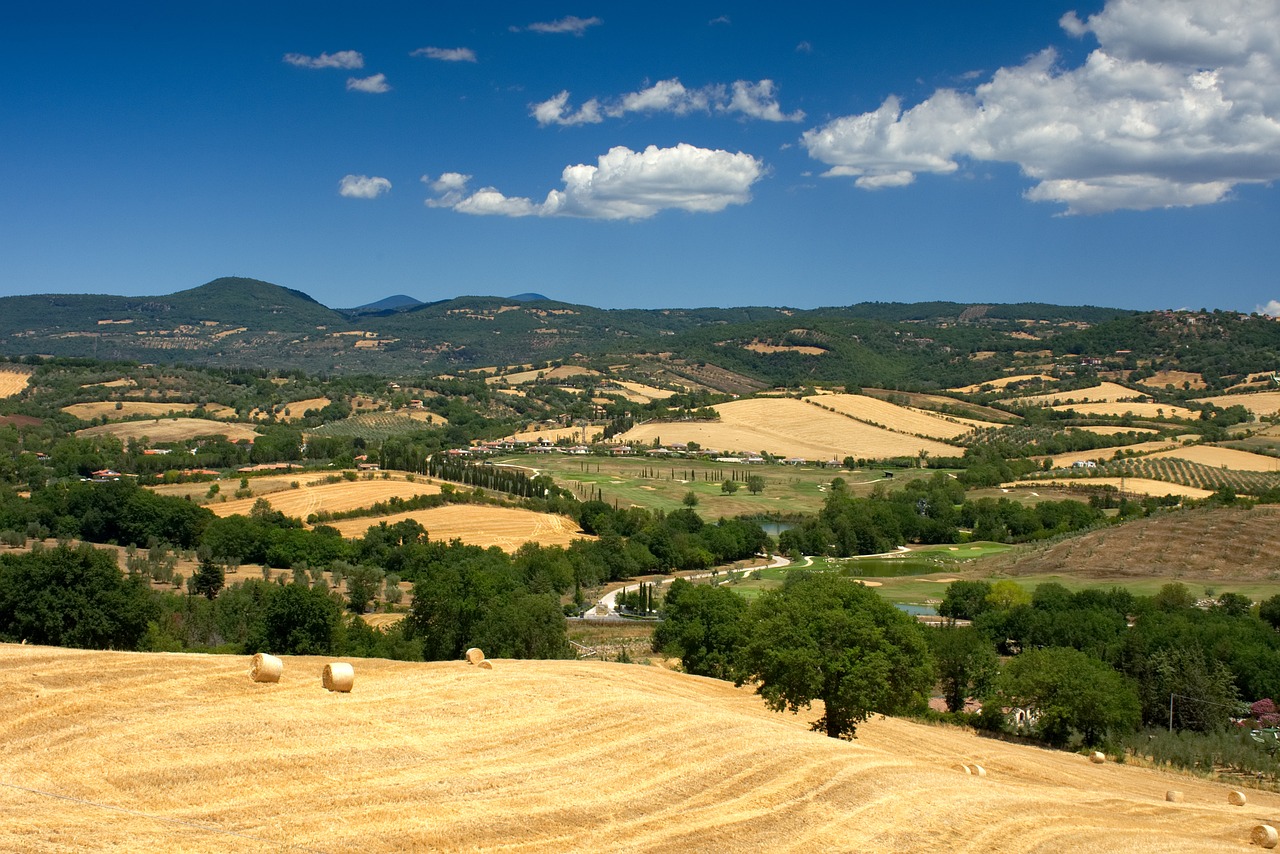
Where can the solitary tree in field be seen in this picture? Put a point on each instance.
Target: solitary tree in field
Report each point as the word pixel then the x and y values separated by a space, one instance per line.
pixel 209 578
pixel 755 484
pixel 823 637
pixel 729 487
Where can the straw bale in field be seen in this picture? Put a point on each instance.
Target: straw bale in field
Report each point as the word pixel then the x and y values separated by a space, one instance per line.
pixel 1173 796
pixel 979 771
pixel 1237 798
pixel 1097 757
pixel 1264 835
pixel 965 769
pixel 338 676
pixel 475 655
pixel 486 664
pixel 266 668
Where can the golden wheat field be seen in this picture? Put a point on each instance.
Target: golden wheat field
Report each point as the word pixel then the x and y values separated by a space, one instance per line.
pixel 508 528
pixel 788 428
pixel 13 380
pixel 1259 403
pixel 1107 392
pixel 172 430
pixel 1132 486
pixel 1002 382
pixel 1226 458
pixel 151 752
pixel 115 410
pixel 901 419
pixel 332 497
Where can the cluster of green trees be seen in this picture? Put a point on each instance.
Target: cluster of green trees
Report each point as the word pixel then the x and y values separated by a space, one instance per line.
pixel 928 511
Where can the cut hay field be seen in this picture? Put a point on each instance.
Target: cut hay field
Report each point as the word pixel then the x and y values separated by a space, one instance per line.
pixel 1132 486
pixel 294 410
pixel 1107 392
pixel 1259 403
pixel 508 528
pixel 1003 382
pixel 260 485
pixel 788 428
pixel 532 756
pixel 13 380
pixel 641 393
pixel 172 430
pixel 134 408
pixel 1226 458
pixel 563 372
pixel 332 497
pixel 1177 379
pixel 555 434
pixel 1065 460
pixel 1119 409
pixel 900 419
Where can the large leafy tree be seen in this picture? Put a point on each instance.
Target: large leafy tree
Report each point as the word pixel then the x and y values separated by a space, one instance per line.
pixel 703 625
pixel 1070 692
pixel 825 637
pixel 967 664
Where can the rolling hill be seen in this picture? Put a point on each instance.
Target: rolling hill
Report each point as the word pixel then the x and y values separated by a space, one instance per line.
pixel 135 751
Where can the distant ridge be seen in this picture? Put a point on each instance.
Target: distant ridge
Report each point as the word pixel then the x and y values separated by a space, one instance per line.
pixel 396 302
pixel 529 297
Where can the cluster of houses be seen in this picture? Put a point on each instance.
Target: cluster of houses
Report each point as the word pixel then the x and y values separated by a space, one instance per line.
pixel 675 450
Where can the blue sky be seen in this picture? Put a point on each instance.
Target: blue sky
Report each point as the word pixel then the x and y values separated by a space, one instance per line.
pixel 669 155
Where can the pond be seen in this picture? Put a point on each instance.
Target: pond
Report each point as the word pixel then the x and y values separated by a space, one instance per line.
pixel 917 610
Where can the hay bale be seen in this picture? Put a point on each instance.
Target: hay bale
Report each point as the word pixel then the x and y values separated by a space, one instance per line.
pixel 1097 757
pixel 979 771
pixel 965 769
pixel 1264 835
pixel 338 676
pixel 1237 798
pixel 1173 796
pixel 265 668
pixel 475 655
pixel 485 664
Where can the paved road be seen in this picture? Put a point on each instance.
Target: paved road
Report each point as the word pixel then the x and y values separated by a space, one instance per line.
pixel 604 609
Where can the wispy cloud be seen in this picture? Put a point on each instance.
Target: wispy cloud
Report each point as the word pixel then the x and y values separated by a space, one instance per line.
pixel 623 185
pixel 723 19
pixel 446 54
pixel 569 24
pixel 342 59
pixel 804 47
pixel 363 187
pixel 753 100
pixel 1175 107
pixel 375 84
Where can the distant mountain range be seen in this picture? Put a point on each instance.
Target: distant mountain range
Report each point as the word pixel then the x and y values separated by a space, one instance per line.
pixel 239 322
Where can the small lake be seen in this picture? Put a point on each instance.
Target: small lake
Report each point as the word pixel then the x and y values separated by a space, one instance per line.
pixel 918 610
pixel 773 529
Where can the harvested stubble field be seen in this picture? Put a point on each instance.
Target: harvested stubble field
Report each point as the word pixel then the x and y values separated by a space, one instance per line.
pixel 531 756
pixel 1003 382
pixel 1138 410
pixel 555 434
pixel 1107 392
pixel 1259 403
pixel 1160 379
pixel 13 380
pixel 294 410
pixel 1065 460
pixel 115 410
pixel 900 419
pixel 788 428
pixel 172 430
pixel 1226 458
pixel 1217 545
pixel 508 528
pixel 563 372
pixel 332 497
pixel 1132 486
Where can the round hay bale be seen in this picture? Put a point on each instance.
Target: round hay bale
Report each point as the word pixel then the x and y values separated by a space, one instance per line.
pixel 1097 757
pixel 338 676
pixel 485 664
pixel 1237 798
pixel 265 668
pixel 965 769
pixel 1264 835
pixel 475 655
pixel 1173 796
pixel 979 771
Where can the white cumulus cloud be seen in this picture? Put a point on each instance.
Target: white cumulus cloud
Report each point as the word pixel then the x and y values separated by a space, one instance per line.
pixel 569 24
pixel 363 187
pixel 1177 105
pixel 446 54
pixel 753 100
pixel 623 184
pixel 375 84
pixel 1272 308
pixel 341 59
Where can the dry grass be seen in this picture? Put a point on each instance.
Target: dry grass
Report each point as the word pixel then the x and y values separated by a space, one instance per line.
pixel 762 347
pixel 1132 486
pixel 1226 458
pixel 1003 382
pixel 1160 379
pixel 1259 403
pixel 560 373
pixel 134 408
pixel 788 428
pixel 1065 460
pixel 333 497
pixel 899 418
pixel 554 434
pixel 531 756
pixel 13 380
pixel 1137 410
pixel 507 528
pixel 1102 393
pixel 172 430
pixel 296 409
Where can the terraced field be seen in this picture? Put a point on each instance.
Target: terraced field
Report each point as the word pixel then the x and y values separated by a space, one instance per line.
pixel 532 756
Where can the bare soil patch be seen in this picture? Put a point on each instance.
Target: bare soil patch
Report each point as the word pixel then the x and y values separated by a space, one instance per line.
pixel 508 528
pixel 172 430
pixel 532 756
